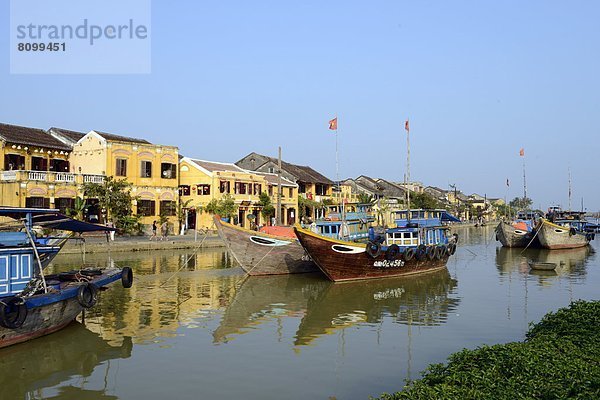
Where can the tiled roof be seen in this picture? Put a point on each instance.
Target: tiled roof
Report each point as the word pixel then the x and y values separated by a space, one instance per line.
pixel 302 173
pixel 73 135
pixel 30 137
pixel 274 180
pixel 118 138
pixel 214 166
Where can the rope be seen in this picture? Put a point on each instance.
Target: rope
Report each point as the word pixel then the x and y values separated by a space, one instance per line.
pixel 531 241
pixel 186 261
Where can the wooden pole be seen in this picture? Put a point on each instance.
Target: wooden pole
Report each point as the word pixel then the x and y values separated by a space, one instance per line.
pixel 278 209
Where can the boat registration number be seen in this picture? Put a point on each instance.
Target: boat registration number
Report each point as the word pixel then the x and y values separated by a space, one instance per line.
pixel 388 263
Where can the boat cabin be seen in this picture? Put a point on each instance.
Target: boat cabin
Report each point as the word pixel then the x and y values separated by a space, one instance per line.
pixel 16 262
pixel 423 218
pixel 413 236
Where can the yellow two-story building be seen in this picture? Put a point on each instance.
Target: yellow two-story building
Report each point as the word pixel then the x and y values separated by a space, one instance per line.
pixel 201 181
pixel 150 168
pixel 36 170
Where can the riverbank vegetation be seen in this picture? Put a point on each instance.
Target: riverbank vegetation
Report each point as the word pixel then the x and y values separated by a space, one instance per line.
pixel 559 359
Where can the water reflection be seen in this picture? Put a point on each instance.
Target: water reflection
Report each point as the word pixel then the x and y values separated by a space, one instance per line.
pixel 413 300
pixel 171 289
pixel 570 263
pixel 54 359
pixel 261 298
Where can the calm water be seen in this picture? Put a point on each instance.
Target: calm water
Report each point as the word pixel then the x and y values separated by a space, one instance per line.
pixel 210 332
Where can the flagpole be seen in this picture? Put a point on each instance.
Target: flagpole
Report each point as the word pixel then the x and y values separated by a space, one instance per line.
pixel 524 180
pixel 407 176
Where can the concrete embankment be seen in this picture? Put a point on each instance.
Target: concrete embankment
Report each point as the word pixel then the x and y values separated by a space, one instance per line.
pixel 142 243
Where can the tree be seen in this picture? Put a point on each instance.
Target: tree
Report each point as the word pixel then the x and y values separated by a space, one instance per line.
pixel 521 203
pixel 423 200
pixel 224 207
pixel 114 196
pixel 268 210
pixel 364 198
pixel 78 210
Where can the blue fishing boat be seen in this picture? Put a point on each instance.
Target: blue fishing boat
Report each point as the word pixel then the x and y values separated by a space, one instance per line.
pixel 351 222
pixel 33 304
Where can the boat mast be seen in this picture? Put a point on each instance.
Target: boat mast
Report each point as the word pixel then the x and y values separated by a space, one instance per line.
pixel 407 175
pixel 569 188
pixel 278 210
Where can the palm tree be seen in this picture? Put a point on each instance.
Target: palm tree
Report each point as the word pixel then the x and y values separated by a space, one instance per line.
pixel 78 210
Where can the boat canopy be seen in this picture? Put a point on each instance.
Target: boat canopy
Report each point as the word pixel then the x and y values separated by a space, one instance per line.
pixel 52 218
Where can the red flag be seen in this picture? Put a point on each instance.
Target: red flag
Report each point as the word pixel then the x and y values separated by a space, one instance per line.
pixel 333 124
pixel 522 152
pixel 406 126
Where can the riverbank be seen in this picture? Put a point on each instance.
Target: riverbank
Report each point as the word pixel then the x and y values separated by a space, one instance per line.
pixel 559 359
pixel 99 244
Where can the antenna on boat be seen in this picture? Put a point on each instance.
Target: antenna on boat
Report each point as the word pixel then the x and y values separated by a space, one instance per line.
pixel 522 154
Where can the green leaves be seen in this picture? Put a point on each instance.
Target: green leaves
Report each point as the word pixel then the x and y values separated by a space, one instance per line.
pixel 559 359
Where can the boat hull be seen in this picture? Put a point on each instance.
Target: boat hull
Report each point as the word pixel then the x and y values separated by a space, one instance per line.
pixel 554 236
pixel 48 313
pixel 263 254
pixel 509 236
pixel 346 261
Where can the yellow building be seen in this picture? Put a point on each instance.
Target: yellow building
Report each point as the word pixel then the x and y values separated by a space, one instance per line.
pixel 36 170
pixel 201 181
pixel 150 168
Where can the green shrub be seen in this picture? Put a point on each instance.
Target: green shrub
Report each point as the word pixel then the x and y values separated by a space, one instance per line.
pixel 560 359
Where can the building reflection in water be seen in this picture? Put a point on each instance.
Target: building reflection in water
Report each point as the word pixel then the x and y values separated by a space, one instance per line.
pixel 170 289
pixel 570 263
pixel 75 351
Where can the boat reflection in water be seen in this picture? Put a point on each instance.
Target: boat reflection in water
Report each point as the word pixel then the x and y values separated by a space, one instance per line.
pixel 33 367
pixel 570 263
pixel 259 299
pixel 423 300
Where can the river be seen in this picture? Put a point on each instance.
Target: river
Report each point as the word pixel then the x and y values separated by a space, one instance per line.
pixel 194 326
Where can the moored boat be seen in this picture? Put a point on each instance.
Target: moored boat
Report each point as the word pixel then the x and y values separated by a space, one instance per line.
pixel 517 234
pixel 260 253
pixel 31 304
pixel 563 234
pixel 407 250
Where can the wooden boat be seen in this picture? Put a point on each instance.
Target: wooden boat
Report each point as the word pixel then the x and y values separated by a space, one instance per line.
pixel 259 253
pixel 517 234
pixel 403 251
pixel 562 234
pixel 31 304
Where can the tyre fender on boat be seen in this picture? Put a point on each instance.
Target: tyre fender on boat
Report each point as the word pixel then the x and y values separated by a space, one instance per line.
pixel 439 252
pixel 392 252
pixel 373 249
pixel 451 249
pixel 13 312
pixel 572 232
pixel 87 294
pixel 421 252
pixel 127 277
pixel 430 252
pixel 409 254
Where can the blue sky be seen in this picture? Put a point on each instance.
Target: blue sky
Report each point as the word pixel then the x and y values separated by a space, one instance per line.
pixel 478 80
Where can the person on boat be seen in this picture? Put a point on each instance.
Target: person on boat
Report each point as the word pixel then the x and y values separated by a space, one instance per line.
pixel 154 231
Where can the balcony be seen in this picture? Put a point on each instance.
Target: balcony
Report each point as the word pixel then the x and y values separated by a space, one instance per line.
pixel 45 176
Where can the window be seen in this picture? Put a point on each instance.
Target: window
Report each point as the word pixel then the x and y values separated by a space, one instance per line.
pixel 146 171
pixel 58 165
pixel 241 188
pixel 168 208
pixel 168 171
pixel 257 189
pixel 301 187
pixel 146 208
pixel 62 203
pixel 37 202
pixel 121 168
pixel 203 190
pixel 320 190
pixel 184 190
pixel 291 193
pixel 14 162
pixel 224 186
pixel 271 170
pixel 271 190
pixel 39 164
